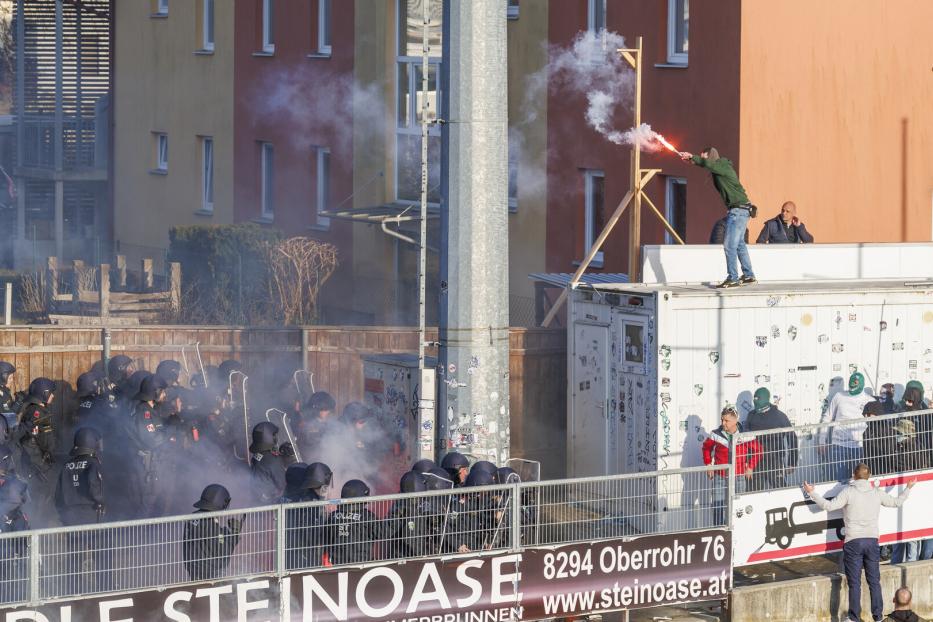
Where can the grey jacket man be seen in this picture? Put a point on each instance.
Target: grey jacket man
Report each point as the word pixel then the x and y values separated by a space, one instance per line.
pixel 860 503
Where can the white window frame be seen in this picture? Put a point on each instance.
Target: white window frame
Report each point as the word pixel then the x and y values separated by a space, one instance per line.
pixel 207 174
pixel 161 7
pixel 161 155
pixel 594 10
pixel 207 25
pixel 590 214
pixel 267 180
pixel 512 10
pixel 669 184
pixel 268 31
pixel 324 16
pixel 323 177
pixel 673 56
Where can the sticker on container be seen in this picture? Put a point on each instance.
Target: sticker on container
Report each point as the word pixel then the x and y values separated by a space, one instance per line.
pixel 761 341
pixel 866 329
pixel 897 345
pixel 882 325
pixel 792 332
pixel 838 319
pixel 665 382
pixel 698 389
pixel 775 332
pixel 852 368
pixel 838 347
pixel 665 364
pixel 837 366
pixel 452 368
pixel 853 317
pixel 823 338
pixel 762 379
pixel 912 364
pixel 774 301
pixel 665 351
pixel 714 357
pixel 806 319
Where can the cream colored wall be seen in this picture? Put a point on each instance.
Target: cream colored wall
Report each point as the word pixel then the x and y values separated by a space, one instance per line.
pixel 528 226
pixel 162 85
pixel 826 90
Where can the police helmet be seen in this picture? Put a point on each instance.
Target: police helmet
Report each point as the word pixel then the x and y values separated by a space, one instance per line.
pixel 506 475
pixel 41 388
pixel 6 370
pixel 438 479
pixel 480 478
pixel 295 475
pixel 412 482
pixel 321 400
pixel 354 489
pixel 151 388
pixel 423 466
pixel 87 441
pixel 483 465
pixel 354 412
pixel 318 475
pixel 118 366
pixel 169 371
pixel 452 463
pixel 88 384
pixel 228 367
pixel 214 499
pixel 265 437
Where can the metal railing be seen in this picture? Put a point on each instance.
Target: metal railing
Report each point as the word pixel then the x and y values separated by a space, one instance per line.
pixel 893 443
pixel 40 566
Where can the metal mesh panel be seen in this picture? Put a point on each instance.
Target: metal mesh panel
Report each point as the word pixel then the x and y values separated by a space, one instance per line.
pixel 14 569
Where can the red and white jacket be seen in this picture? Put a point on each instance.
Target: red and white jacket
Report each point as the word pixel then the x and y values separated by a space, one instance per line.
pixel 716 449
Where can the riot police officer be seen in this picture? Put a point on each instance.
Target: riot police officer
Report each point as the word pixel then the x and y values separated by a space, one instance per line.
pixel 14 567
pixel 352 527
pixel 209 543
pixel 80 493
pixel 408 527
pixel 119 369
pixel 267 465
pixel 152 444
pixel 457 466
pixel 36 436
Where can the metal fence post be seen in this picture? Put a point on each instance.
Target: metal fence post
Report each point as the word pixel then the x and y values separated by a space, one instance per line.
pixel 280 540
pixel 34 569
pixel 516 526
pixel 731 492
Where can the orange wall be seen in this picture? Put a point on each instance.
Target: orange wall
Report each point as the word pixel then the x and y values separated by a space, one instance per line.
pixel 826 90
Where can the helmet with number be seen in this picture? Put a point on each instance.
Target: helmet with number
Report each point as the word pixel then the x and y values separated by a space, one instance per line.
pixel 6 370
pixel 169 371
pixel 265 437
pixel 318 475
pixel 214 499
pixel 480 478
pixel 453 463
pixel 88 385
pixel 507 475
pixel 119 368
pixel 354 489
pixel 87 442
pixel 412 482
pixel 41 389
pixel 423 466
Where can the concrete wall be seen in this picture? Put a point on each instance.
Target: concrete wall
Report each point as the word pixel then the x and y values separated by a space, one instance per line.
pixel 693 106
pixel 836 100
pixel 826 598
pixel 163 85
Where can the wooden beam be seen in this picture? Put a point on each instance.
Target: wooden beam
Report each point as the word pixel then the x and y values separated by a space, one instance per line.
pixel 664 222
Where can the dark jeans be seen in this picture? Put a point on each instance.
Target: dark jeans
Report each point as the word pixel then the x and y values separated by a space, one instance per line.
pixel 858 553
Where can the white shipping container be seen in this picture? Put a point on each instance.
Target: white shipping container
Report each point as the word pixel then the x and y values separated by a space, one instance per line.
pixel 651 366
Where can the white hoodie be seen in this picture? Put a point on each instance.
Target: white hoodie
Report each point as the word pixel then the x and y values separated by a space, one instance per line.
pixel 844 408
pixel 860 503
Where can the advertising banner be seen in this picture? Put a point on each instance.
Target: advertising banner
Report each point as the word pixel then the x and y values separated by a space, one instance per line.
pixel 611 575
pixel 786 524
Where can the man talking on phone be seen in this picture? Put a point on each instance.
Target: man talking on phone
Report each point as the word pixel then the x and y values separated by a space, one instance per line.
pixel 785 228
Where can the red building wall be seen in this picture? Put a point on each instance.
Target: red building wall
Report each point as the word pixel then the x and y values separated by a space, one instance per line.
pixel 294 102
pixel 694 107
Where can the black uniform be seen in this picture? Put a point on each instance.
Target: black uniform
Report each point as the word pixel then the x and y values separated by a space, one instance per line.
pixel 409 527
pixel 80 493
pixel 352 528
pixel 208 543
pixel 14 567
pixel 267 465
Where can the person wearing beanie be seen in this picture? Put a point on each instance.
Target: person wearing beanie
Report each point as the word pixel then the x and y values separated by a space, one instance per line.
pixel 843 443
pixel 738 212
pixel 779 451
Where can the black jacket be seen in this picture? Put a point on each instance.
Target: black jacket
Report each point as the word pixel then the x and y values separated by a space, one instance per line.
pixel 352 532
pixel 208 547
pixel 80 491
pixel 409 530
pixel 774 232
pixel 268 469
pixel 773 446
pixel 305 535
pixel 903 616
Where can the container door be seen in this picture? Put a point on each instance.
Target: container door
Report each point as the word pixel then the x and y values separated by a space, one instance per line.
pixel 589 390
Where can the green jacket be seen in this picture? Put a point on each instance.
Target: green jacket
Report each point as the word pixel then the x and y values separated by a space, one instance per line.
pixel 725 180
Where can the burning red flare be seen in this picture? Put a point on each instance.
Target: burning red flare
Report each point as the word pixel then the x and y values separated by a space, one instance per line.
pixel 666 144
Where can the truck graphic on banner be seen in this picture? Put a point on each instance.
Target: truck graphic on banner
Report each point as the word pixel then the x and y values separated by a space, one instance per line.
pixel 781 524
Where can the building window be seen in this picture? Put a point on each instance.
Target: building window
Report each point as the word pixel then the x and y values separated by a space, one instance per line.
pixel 161 143
pixel 207 174
pixel 409 99
pixel 594 193
pixel 268 34
pixel 161 7
pixel 323 186
pixel 513 9
pixel 267 170
pixel 676 208
pixel 678 22
pixel 323 27
pixel 596 15
pixel 207 23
